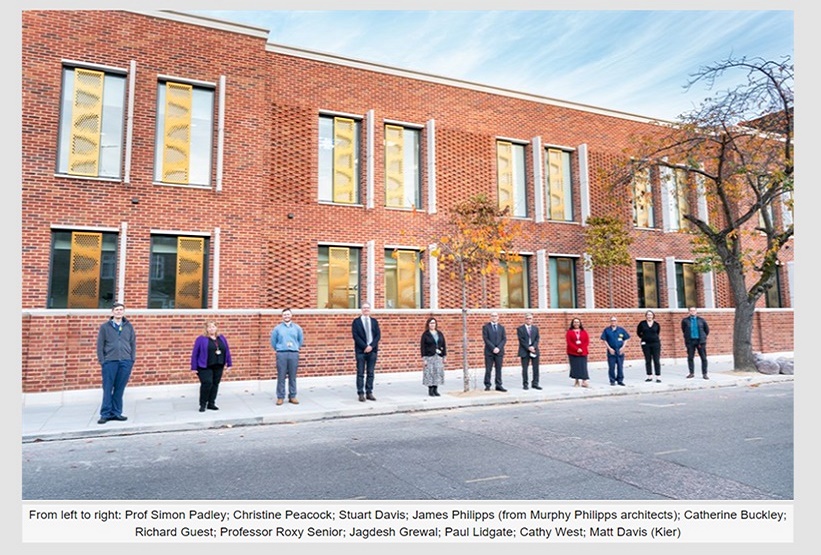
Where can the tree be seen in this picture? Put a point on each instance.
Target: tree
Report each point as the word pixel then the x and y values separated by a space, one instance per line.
pixel 480 239
pixel 606 240
pixel 739 146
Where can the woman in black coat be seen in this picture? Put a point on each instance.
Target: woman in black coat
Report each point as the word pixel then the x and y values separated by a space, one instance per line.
pixel 648 330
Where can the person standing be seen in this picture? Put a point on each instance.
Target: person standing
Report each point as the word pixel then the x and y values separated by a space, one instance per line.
pixel 366 335
pixel 434 351
pixel 209 358
pixel 116 353
pixel 494 337
pixel 528 335
pixel 615 337
pixel 578 342
pixel 648 331
pixel 695 330
pixel 286 339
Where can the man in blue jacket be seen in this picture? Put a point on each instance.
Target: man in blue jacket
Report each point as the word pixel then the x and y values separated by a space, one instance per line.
pixel 116 353
pixel 615 337
pixel 695 330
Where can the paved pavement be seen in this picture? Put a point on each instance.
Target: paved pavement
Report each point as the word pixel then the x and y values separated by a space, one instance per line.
pixel 74 414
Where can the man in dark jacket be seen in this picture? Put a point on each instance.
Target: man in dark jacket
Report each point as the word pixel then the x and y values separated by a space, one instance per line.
pixel 494 338
pixel 116 352
pixel 695 330
pixel 528 335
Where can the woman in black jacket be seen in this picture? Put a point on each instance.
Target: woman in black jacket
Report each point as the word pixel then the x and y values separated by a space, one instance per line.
pixel 433 354
pixel 648 330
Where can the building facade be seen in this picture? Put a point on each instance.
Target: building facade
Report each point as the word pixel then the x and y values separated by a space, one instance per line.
pixel 192 170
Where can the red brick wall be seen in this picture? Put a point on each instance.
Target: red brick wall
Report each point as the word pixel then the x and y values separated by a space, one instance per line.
pixel 59 350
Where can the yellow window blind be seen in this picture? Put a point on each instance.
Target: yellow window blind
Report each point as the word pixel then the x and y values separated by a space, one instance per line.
pixel 555 175
pixel 190 258
pixel 338 270
pixel 394 166
pixel 84 273
pixel 344 134
pixel 406 278
pixel 504 164
pixel 86 122
pixel 177 132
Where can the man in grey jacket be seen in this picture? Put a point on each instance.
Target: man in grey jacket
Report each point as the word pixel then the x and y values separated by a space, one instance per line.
pixel 116 352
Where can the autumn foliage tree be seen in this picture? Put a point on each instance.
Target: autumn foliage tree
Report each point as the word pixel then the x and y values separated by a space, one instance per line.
pixel 479 240
pixel 738 148
pixel 607 241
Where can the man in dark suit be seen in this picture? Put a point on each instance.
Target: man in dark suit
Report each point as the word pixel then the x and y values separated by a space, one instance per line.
pixel 365 331
pixel 528 334
pixel 493 334
pixel 695 330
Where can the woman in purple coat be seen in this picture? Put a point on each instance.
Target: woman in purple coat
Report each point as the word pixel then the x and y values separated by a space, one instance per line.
pixel 209 358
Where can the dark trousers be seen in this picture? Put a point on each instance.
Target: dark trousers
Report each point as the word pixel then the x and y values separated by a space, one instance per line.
pixel 210 379
pixel 692 347
pixel 615 368
pixel 287 363
pixel 365 363
pixel 493 361
pixel 525 362
pixel 652 356
pixel 115 378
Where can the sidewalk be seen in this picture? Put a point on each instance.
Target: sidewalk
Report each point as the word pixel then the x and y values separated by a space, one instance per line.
pixel 74 414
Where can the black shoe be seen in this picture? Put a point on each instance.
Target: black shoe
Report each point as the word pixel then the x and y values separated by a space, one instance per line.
pixel 121 418
pixel 436 391
pixel 536 386
pixel 649 380
pixel 202 408
pixel 102 420
pixel 487 388
pixel 705 377
pixel 500 388
pixel 612 383
pixel 362 397
pixel 213 407
pixel 430 391
pixel 622 383
pixel 370 397
pixel 658 380
pixel 525 387
pixel 691 375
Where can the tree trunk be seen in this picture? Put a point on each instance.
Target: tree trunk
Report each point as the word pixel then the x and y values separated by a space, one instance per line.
pixel 743 359
pixel 465 369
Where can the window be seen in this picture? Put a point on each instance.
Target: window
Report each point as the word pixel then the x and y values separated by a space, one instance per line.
pixel 403 279
pixel 562 282
pixel 83 269
pixel 184 135
pixel 402 184
pixel 515 292
pixel 679 203
pixel 773 294
pixel 338 277
pixel 338 160
pixel 642 199
pixel 647 274
pixel 787 209
pixel 559 196
pixel 92 108
pixel 686 285
pixel 178 272
pixel 510 178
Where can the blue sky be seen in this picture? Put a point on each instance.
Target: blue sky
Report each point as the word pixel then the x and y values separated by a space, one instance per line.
pixel 627 60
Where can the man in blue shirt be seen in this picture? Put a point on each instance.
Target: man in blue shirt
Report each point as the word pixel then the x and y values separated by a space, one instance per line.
pixel 615 337
pixel 287 339
pixel 695 330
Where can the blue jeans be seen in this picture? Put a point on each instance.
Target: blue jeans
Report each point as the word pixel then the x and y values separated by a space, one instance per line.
pixel 115 378
pixel 287 362
pixel 365 363
pixel 615 368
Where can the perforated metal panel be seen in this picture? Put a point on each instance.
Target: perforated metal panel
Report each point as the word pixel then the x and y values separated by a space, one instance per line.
pixel 394 166
pixel 190 257
pixel 555 176
pixel 406 263
pixel 338 276
pixel 344 136
pixel 504 171
pixel 84 272
pixel 177 132
pixel 86 122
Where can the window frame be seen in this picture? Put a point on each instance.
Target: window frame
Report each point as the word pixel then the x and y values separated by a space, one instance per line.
pixel 353 287
pixel 327 190
pixel 410 165
pixel 683 300
pixel 555 285
pixel 392 293
pixel 566 185
pixel 504 283
pixel 641 293
pixel 516 173
pixel 155 262
pixel 647 195
pixel 106 277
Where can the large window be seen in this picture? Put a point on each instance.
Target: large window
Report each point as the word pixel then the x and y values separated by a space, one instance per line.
pixel 686 285
pixel 179 272
pixel 83 269
pixel 515 292
pixel 679 202
pixel 91 123
pixel 559 185
pixel 510 178
pixel 773 294
pixel 338 277
pixel 402 184
pixel 403 279
pixel 642 199
pixel 338 160
pixel 648 284
pixel 184 135
pixel 562 282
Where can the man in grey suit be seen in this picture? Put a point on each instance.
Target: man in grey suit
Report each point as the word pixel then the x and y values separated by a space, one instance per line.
pixel 493 334
pixel 528 334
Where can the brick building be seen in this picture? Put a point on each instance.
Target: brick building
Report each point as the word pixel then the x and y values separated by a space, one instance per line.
pixel 191 170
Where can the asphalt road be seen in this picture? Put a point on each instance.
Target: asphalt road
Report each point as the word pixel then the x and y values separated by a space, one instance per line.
pixel 733 443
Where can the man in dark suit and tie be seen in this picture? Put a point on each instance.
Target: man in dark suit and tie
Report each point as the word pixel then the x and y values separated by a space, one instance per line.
pixel 365 331
pixel 493 334
pixel 528 334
